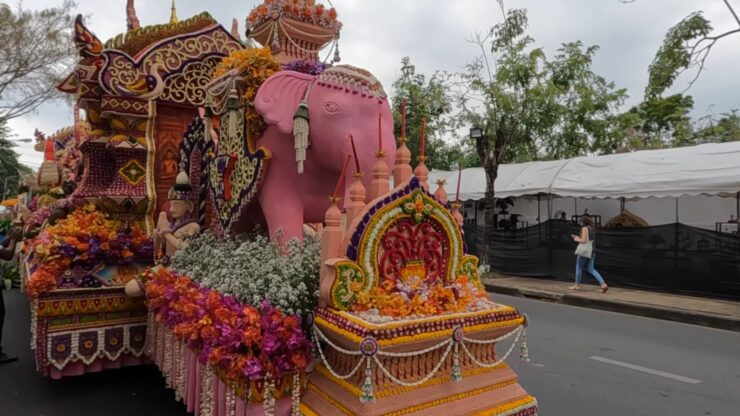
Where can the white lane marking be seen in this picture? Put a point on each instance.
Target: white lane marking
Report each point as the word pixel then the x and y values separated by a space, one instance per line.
pixel 646 370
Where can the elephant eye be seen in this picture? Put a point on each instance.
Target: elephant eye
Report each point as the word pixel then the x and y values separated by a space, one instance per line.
pixel 332 108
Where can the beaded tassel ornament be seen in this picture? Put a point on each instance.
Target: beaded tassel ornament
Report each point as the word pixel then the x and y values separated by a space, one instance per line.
pixel 296 395
pixel 524 352
pixel 336 48
pixel 300 133
pixel 367 387
pixel 456 369
pixel 268 402
pixel 233 107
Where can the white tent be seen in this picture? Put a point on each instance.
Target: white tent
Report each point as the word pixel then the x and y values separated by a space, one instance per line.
pixel 707 169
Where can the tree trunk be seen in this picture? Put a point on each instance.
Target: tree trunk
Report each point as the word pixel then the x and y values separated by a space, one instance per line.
pixel 491 169
pixel 488 154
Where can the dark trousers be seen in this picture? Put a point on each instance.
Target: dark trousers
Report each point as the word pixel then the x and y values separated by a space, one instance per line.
pixel 2 318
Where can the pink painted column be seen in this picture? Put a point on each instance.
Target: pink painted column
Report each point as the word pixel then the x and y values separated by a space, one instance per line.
pixel 357 196
pixel 440 193
pixel 402 170
pixel 381 175
pixel 421 171
pixel 331 240
pixel 456 212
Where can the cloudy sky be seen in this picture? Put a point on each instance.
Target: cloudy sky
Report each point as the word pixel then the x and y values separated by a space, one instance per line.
pixel 378 33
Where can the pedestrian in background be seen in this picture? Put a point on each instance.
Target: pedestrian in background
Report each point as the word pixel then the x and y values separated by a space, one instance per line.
pixel 7 252
pixel 586 255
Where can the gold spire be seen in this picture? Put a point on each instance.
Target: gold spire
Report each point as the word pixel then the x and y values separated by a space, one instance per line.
pixel 173 15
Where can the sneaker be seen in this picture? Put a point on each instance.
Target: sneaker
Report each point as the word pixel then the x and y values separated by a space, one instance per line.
pixel 5 358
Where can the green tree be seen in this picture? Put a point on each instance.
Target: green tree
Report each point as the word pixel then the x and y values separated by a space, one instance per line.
pixel 724 129
pixel 530 107
pixel 10 168
pixel 663 122
pixel 425 98
pixel 36 51
pixel 686 47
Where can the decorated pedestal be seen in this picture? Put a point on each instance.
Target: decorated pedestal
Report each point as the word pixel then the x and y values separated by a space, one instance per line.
pixel 220 357
pixel 205 390
pixel 74 271
pixel 405 326
pixel 77 331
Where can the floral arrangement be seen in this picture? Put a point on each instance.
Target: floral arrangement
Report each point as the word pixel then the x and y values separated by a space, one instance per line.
pixel 255 65
pixel 412 295
pixel 83 240
pixel 306 67
pixel 70 158
pixel 37 217
pixel 302 10
pixel 254 268
pixel 9 203
pixel 243 341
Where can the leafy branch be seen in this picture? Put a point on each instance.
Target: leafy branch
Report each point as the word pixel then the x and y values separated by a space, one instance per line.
pixel 686 47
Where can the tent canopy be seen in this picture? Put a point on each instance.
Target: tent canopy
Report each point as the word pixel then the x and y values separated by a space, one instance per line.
pixel 707 169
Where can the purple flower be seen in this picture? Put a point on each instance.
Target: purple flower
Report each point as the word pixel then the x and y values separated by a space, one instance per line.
pixel 306 67
pixel 94 249
pixel 296 341
pixel 253 369
pixel 67 250
pixel 270 343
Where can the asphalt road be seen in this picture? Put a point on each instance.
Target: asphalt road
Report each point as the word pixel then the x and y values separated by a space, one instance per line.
pixel 590 362
pixel 584 362
pixel 134 391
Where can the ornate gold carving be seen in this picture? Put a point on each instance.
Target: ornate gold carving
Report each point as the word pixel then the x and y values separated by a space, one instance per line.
pixel 626 220
pixel 173 57
pixel 189 86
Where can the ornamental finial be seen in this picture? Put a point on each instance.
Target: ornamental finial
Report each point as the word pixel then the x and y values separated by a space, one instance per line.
pixel 173 14
pixel 132 22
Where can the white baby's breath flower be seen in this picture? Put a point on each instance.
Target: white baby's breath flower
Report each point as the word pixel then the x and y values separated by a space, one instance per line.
pixel 253 268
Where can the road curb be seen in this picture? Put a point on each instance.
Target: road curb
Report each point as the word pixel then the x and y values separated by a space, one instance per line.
pixel 640 309
pixel 658 312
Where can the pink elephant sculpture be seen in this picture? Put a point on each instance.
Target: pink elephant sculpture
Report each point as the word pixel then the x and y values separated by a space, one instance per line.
pixel 342 100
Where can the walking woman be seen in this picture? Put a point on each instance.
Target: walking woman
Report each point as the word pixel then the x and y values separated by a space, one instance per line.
pixel 586 255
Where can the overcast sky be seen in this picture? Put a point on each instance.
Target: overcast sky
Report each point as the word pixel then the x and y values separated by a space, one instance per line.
pixel 378 33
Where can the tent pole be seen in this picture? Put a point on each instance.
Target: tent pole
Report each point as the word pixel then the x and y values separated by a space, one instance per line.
pixel 475 213
pixel 575 206
pixel 538 209
pixel 676 210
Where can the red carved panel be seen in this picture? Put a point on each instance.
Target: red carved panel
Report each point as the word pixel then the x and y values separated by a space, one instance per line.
pixel 170 125
pixel 407 242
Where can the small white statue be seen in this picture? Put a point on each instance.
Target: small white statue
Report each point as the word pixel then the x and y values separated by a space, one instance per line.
pixel 172 231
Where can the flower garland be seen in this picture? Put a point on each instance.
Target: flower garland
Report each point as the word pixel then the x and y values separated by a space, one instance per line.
pixel 306 67
pixel 414 296
pixel 244 342
pixel 85 239
pixel 302 10
pixel 255 65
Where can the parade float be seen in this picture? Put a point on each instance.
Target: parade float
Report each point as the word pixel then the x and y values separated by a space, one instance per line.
pixel 206 156
pixel 138 91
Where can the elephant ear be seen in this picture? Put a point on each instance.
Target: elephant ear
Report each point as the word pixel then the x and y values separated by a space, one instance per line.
pixel 279 96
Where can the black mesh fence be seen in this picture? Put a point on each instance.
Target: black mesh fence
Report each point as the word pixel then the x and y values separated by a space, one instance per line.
pixel 674 258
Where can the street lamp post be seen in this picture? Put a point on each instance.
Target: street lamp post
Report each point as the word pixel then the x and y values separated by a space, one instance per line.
pixel 5 185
